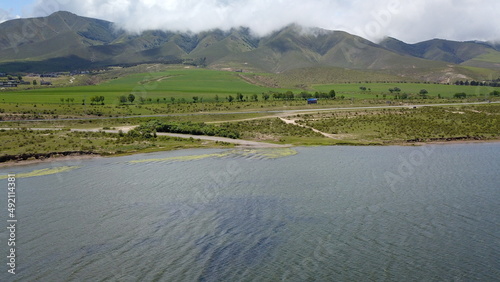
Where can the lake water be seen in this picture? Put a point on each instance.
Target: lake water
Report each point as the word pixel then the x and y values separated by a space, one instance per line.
pixel 427 213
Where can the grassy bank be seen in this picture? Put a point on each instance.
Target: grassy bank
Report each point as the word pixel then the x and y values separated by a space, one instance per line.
pixel 425 124
pixel 26 144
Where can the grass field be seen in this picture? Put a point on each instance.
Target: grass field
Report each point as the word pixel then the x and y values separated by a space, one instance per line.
pixel 422 124
pixel 165 85
pixel 352 90
pixel 171 90
pixel 183 84
pixel 18 142
pixel 348 127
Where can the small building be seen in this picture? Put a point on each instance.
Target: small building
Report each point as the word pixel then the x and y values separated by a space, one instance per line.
pixel 43 82
pixel 49 75
pixel 312 101
pixel 8 84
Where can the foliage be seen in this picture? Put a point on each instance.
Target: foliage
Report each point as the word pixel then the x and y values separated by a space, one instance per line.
pixel 425 123
pixel 131 98
pixel 97 99
pixel 149 129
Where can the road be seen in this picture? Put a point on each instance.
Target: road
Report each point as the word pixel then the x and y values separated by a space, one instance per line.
pixel 259 112
pixel 238 142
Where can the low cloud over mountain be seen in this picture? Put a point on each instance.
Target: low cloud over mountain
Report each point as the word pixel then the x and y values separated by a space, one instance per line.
pixel 410 21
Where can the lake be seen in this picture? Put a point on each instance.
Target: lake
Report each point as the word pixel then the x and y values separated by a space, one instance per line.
pixel 393 213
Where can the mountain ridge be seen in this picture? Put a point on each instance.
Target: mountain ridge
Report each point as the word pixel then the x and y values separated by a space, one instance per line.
pixel 35 44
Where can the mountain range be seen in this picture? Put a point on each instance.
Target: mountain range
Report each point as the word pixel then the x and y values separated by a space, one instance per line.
pixel 64 41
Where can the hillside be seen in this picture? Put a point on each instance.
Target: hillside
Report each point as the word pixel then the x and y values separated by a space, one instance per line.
pixel 64 41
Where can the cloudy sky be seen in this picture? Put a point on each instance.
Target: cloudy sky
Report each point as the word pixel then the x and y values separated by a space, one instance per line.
pixel 410 21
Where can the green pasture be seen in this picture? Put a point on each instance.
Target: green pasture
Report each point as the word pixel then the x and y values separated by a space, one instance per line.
pixel 178 84
pixel 352 90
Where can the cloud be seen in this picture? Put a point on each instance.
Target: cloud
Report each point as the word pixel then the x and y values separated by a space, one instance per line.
pixel 5 15
pixel 409 21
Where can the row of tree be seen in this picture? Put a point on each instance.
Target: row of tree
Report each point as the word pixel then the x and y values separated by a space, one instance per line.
pixel 493 83
pixel 151 127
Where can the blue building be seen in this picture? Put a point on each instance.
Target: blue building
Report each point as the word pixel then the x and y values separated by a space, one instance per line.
pixel 312 101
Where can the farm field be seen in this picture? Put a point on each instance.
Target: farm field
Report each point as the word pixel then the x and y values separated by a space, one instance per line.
pixel 181 85
pixel 352 90
pixel 165 85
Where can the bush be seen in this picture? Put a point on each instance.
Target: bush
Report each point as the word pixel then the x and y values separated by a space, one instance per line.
pixel 187 128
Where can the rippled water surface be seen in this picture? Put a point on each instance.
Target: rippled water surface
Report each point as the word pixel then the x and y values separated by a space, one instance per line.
pixel 323 213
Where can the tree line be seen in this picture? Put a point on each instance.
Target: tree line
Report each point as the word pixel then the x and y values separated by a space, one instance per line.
pixel 150 128
pixel 493 83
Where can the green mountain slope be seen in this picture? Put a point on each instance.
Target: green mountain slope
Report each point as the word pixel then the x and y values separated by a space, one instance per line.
pixel 65 41
pixel 438 49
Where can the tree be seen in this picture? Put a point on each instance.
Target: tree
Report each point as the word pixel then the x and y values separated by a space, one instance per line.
pixel 423 92
pixel 460 95
pixel 230 98
pixel 265 96
pixel 123 99
pixel 195 99
pixel 362 88
pixel 34 82
pixel 131 98
pixel 216 98
pixel 255 97
pixel 332 94
pixel 239 97
pixel 19 78
pixel 97 99
pixel 172 99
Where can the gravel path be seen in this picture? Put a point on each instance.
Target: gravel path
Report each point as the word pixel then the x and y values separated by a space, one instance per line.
pixel 125 129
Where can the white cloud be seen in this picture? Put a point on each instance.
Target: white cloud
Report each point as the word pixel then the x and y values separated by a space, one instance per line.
pixel 5 15
pixel 409 21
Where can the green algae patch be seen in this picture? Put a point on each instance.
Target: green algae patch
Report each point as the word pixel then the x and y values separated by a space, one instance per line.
pixel 43 172
pixel 265 153
pixel 180 158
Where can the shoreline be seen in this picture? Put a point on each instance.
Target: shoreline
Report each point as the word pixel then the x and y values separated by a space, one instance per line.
pixel 78 157
pixel 52 159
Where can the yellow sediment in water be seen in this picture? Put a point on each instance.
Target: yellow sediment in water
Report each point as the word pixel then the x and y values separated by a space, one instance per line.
pixel 180 159
pixel 42 172
pixel 268 153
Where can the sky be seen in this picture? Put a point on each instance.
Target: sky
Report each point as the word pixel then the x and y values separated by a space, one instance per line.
pixel 410 21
